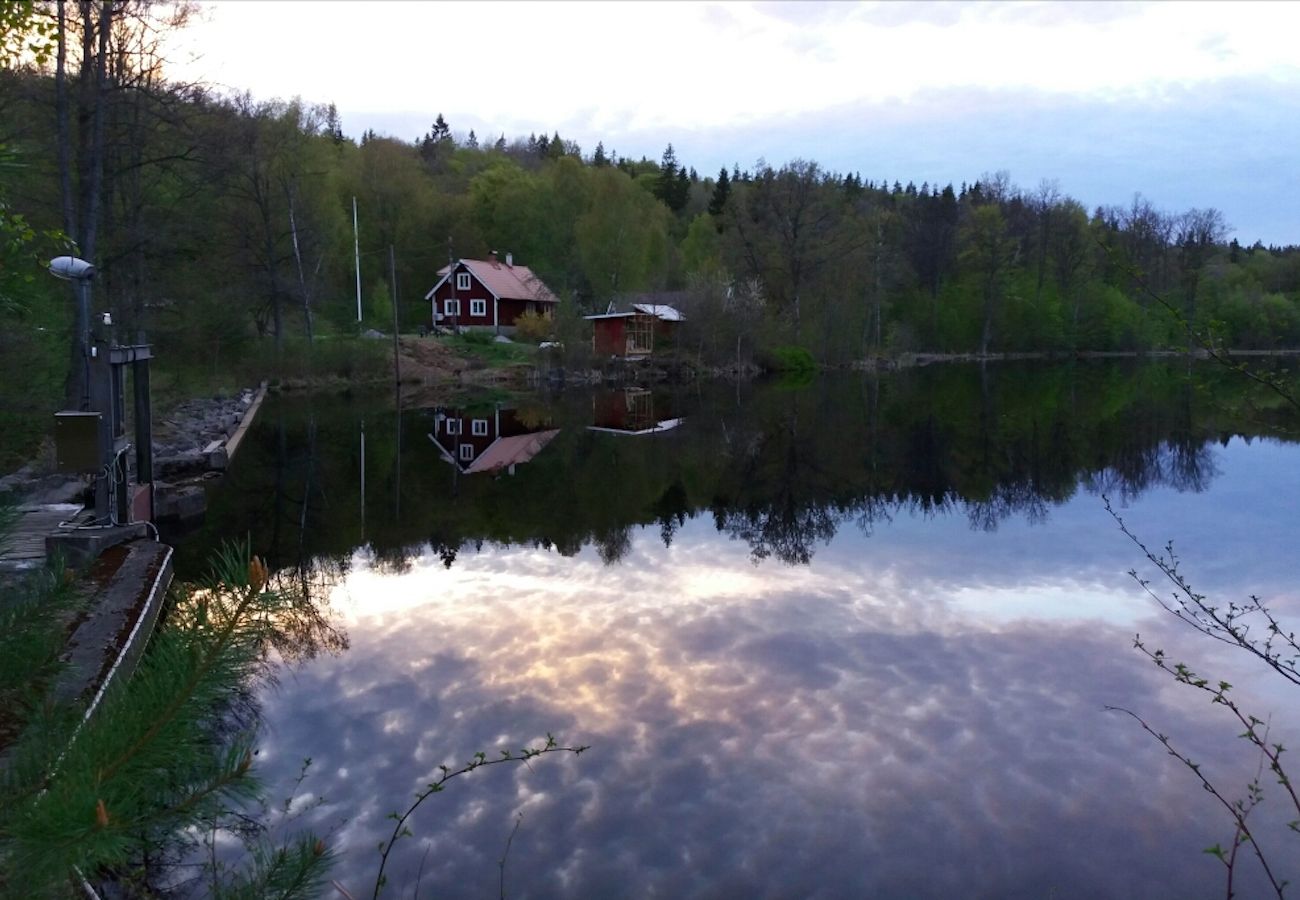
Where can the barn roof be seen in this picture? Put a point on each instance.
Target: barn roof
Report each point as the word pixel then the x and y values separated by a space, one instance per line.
pixel 505 281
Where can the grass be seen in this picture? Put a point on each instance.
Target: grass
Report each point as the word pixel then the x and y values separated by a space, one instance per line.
pixel 480 345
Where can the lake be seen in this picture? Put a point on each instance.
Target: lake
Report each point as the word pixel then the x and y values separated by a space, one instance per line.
pixel 845 637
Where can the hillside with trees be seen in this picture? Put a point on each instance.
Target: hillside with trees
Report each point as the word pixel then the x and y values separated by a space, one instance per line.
pixel 222 227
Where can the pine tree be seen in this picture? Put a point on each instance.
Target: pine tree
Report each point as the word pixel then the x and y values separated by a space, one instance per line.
pixel 500 145
pixel 472 142
pixel 557 147
pixel 157 762
pixel 721 191
pixel 666 184
pixel 543 146
pixel 440 131
pixel 598 159
pixel 681 191
pixel 333 126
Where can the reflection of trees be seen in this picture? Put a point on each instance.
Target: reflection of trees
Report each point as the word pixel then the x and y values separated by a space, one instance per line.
pixel 302 627
pixel 788 532
pixel 778 468
pixel 613 543
pixel 672 511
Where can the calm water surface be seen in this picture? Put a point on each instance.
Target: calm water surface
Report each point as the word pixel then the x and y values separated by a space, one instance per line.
pixel 850 638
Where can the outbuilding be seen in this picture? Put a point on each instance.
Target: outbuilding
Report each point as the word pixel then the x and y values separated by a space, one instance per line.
pixel 634 332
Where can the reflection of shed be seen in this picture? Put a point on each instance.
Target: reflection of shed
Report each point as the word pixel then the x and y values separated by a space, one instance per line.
pixel 487 441
pixel 634 332
pixel 631 411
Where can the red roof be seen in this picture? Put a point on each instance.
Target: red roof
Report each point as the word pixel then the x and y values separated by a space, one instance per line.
pixel 506 281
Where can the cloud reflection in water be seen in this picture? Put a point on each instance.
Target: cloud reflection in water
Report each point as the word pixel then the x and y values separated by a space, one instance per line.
pixel 843 729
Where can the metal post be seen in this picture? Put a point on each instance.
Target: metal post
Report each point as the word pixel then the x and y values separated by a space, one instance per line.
pixel 356 249
pixel 99 388
pixel 143 428
pixel 83 324
pixel 392 278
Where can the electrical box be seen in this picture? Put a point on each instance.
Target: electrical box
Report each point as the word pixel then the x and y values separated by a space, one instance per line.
pixel 76 442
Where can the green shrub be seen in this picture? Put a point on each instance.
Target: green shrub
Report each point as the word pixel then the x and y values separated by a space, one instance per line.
pixel 534 327
pixel 787 359
pixel 479 338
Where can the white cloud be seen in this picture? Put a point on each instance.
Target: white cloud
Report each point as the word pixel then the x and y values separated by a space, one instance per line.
pixel 638 75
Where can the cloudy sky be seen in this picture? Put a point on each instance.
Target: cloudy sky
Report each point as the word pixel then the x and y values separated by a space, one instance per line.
pixel 1191 104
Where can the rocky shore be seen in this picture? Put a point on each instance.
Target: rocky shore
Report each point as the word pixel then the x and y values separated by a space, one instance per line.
pixel 190 444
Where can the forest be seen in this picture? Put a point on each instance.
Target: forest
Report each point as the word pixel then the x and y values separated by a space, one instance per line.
pixel 222 228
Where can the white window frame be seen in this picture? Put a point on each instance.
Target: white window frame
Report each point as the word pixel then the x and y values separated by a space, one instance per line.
pixel 466 452
pixel 478 307
pixel 478 427
pixel 453 426
pixel 451 307
pixel 462 281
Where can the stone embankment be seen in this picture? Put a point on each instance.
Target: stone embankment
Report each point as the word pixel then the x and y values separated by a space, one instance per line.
pixel 193 441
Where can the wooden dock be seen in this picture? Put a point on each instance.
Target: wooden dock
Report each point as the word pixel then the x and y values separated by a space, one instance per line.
pixel 24 548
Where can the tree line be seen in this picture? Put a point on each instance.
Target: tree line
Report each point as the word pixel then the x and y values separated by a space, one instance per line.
pixel 228 218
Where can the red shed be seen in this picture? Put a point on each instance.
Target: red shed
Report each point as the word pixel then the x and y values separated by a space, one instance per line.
pixel 635 332
pixel 487 293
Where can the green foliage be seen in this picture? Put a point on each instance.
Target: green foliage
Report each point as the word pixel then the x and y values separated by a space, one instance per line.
pixel 788 359
pixel 158 755
pixel 35 615
pixel 26 34
pixel 483 346
pixel 534 327
pixel 255 197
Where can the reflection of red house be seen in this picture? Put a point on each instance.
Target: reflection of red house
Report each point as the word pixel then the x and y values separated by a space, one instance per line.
pixel 635 332
pixel 487 293
pixel 486 440
pixel 631 411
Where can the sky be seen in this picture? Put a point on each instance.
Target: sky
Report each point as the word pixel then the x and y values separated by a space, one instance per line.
pixel 1190 104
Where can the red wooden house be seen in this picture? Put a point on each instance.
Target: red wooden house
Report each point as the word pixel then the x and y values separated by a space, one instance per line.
pixel 487 294
pixel 482 440
pixel 635 332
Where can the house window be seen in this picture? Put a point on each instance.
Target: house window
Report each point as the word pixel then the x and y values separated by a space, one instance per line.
pixel 478 307
pixel 451 307
pixel 466 451
pixel 462 281
pixel 453 426
pixel 478 427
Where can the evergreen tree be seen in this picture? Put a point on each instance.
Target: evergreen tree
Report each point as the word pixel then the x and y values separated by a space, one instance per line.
pixel 557 147
pixel 500 145
pixel 472 142
pixel 681 191
pixel 721 191
pixel 598 159
pixel 440 131
pixel 333 126
pixel 542 146
pixel 666 185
